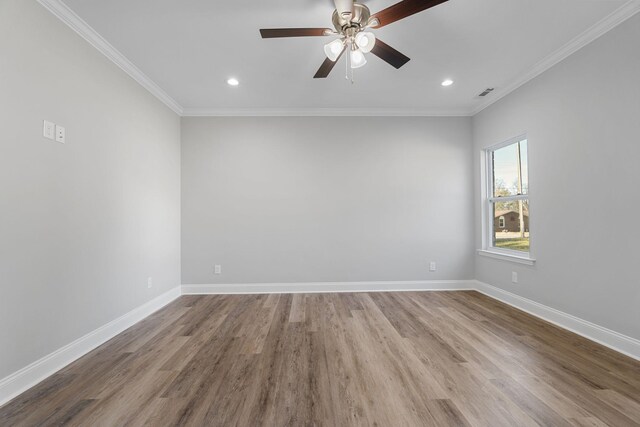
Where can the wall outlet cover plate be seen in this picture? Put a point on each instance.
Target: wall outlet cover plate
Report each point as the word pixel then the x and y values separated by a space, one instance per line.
pixel 49 130
pixel 60 134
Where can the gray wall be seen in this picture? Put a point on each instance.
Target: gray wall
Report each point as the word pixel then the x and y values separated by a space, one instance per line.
pixel 291 199
pixel 82 225
pixel 582 118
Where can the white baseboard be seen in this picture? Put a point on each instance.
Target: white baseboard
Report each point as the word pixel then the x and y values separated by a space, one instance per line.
pixel 614 340
pixel 322 287
pixel 29 376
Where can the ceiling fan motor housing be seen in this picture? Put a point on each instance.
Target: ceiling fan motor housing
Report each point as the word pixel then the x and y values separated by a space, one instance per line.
pixel 356 20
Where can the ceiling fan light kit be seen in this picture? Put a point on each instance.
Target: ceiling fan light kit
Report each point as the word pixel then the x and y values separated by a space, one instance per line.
pixel 351 21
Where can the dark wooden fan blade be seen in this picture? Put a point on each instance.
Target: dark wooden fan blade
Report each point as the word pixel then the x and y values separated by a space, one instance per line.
pixel 271 33
pixel 327 66
pixel 403 9
pixel 389 54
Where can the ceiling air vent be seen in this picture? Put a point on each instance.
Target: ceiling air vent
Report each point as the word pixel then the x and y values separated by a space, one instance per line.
pixel 486 92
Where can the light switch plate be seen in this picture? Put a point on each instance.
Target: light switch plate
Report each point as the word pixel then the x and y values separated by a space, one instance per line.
pixel 60 134
pixel 49 130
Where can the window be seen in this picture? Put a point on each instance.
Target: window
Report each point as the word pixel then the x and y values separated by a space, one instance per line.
pixel 507 201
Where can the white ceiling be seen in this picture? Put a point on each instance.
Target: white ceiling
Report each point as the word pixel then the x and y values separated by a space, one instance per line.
pixel 190 47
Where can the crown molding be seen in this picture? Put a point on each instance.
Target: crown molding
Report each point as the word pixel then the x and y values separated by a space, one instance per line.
pixel 77 24
pixel 71 19
pixel 326 112
pixel 603 26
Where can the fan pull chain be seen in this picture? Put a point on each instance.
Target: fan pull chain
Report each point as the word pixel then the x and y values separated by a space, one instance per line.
pixel 346 61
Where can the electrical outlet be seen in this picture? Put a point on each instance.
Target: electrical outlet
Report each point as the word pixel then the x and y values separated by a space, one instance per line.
pixel 432 266
pixel 514 277
pixel 60 133
pixel 149 282
pixel 217 269
pixel 49 130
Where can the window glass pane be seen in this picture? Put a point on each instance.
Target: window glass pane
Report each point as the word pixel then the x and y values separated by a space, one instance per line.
pixel 510 176
pixel 509 230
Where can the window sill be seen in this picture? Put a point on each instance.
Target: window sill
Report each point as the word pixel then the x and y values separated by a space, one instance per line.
pixel 507 257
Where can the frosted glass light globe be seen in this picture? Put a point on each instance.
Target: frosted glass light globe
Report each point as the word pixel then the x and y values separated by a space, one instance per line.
pixel 357 59
pixel 365 41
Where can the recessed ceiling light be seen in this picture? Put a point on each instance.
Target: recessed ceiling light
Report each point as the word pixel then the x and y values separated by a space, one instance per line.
pixel 233 82
pixel 447 82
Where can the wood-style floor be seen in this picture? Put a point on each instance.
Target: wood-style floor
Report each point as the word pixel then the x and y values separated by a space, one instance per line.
pixel 386 359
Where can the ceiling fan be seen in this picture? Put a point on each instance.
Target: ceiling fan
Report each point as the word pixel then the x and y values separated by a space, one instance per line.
pixel 351 21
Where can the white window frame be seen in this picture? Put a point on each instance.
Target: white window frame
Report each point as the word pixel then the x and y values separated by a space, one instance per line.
pixel 488 219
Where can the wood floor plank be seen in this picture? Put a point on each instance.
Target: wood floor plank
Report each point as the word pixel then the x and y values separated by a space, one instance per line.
pixel 297 308
pixel 534 407
pixel 587 422
pixel 552 397
pixel 623 404
pixel 361 359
